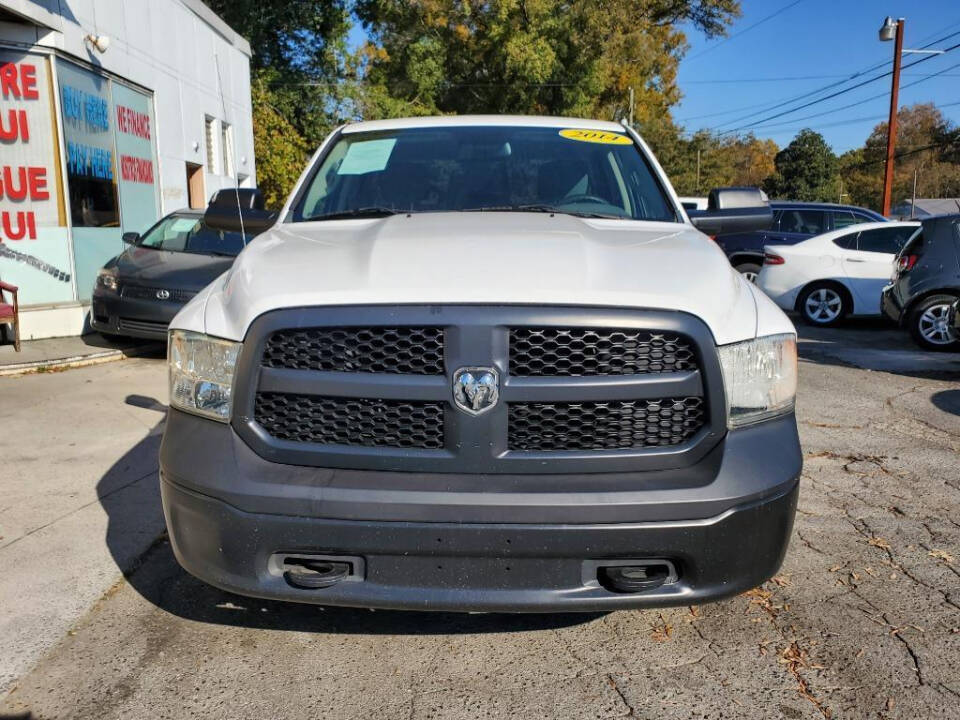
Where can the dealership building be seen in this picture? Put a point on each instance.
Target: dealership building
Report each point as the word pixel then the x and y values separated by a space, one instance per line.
pixel 112 114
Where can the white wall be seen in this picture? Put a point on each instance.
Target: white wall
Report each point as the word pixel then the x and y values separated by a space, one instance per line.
pixel 172 48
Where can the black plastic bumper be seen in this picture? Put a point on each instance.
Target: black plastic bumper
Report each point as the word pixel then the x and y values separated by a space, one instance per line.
pixel 890 305
pixel 132 317
pixel 479 567
pixel 231 514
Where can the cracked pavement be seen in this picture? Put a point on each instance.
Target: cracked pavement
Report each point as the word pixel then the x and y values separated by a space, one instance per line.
pixel 863 621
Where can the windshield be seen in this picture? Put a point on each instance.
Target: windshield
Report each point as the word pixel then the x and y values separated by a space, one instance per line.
pixel 579 172
pixel 179 233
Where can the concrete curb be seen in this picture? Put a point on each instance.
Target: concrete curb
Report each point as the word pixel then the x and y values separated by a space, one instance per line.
pixel 67 363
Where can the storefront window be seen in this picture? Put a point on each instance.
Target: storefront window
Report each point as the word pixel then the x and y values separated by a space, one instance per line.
pixel 87 132
pixel 34 250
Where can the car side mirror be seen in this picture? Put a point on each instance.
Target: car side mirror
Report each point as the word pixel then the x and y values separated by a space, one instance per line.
pixel 734 209
pixel 131 238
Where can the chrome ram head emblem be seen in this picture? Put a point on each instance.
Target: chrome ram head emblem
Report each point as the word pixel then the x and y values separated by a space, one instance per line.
pixel 476 389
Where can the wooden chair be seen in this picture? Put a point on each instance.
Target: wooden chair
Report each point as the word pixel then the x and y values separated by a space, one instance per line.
pixel 10 314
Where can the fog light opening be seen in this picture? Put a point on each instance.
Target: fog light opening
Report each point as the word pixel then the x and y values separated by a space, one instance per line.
pixel 636 578
pixel 311 574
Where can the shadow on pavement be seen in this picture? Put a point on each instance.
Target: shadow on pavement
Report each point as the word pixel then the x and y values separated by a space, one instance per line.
pixel 157 577
pixel 873 344
pixel 947 400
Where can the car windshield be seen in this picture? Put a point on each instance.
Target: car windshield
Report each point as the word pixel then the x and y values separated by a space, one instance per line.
pixel 588 173
pixel 189 234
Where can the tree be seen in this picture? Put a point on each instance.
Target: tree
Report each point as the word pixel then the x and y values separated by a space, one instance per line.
pixel 529 56
pixel 724 161
pixel 281 150
pixel 299 53
pixel 298 62
pixel 926 150
pixel 805 170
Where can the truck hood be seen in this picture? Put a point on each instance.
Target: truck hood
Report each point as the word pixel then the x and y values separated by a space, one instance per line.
pixel 480 258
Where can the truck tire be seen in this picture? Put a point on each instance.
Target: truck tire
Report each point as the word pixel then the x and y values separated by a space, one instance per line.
pixel 929 326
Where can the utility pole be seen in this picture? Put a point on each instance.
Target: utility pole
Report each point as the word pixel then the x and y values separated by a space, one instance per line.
pixel 631 107
pixel 885 33
pixel 913 201
pixel 698 170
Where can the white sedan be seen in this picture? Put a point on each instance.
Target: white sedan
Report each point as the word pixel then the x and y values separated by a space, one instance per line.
pixel 834 275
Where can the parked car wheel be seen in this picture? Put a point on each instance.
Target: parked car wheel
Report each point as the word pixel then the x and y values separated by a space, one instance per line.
pixel 823 305
pixel 749 271
pixel 929 323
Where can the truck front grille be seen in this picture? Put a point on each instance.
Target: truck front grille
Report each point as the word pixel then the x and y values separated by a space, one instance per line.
pixel 604 425
pixel 351 421
pixel 581 390
pixel 396 350
pixel 579 352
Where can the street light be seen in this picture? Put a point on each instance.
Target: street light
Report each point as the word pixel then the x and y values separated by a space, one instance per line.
pixel 889 30
pixel 892 30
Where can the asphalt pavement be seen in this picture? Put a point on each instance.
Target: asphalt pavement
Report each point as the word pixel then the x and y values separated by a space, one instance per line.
pixel 862 621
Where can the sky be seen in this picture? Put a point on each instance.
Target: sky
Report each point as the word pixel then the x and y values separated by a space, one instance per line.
pixel 781 49
pixel 811 44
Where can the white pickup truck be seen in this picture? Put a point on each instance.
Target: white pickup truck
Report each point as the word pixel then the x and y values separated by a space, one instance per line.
pixel 484 364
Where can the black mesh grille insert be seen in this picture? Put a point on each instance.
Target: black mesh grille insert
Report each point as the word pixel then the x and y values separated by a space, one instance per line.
pixel 403 350
pixel 575 352
pixel 604 425
pixel 351 421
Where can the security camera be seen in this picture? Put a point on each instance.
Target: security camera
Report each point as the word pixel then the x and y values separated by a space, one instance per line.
pixel 100 42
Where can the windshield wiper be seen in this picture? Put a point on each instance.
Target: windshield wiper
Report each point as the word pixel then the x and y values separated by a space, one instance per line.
pixel 533 207
pixel 371 211
pixel 540 207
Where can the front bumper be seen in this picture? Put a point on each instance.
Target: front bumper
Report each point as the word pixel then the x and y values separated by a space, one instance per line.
pixel 113 314
pixel 231 514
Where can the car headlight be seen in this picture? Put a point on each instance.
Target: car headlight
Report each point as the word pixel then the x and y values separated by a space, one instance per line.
pixel 107 279
pixel 201 373
pixel 760 377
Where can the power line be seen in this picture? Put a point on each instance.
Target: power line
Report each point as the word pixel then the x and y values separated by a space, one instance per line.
pixel 745 30
pixel 905 153
pixel 859 102
pixel 790 111
pixel 830 86
pixel 795 78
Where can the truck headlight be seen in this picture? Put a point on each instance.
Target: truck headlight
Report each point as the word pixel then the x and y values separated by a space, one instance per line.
pixel 107 279
pixel 760 378
pixel 201 373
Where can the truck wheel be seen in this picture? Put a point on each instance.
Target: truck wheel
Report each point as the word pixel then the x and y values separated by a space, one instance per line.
pixel 823 305
pixel 749 271
pixel 929 323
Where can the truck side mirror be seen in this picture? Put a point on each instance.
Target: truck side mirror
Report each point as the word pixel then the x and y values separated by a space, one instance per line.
pixel 734 209
pixel 231 208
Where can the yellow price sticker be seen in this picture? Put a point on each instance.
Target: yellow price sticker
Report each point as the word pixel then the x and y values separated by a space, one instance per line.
pixel 596 136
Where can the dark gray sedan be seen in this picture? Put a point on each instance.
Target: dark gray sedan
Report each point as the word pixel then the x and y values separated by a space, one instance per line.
pixel 138 292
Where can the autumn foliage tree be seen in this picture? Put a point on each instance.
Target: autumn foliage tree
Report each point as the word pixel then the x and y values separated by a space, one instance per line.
pixel 281 150
pixel 529 56
pixel 298 63
pixel 924 147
